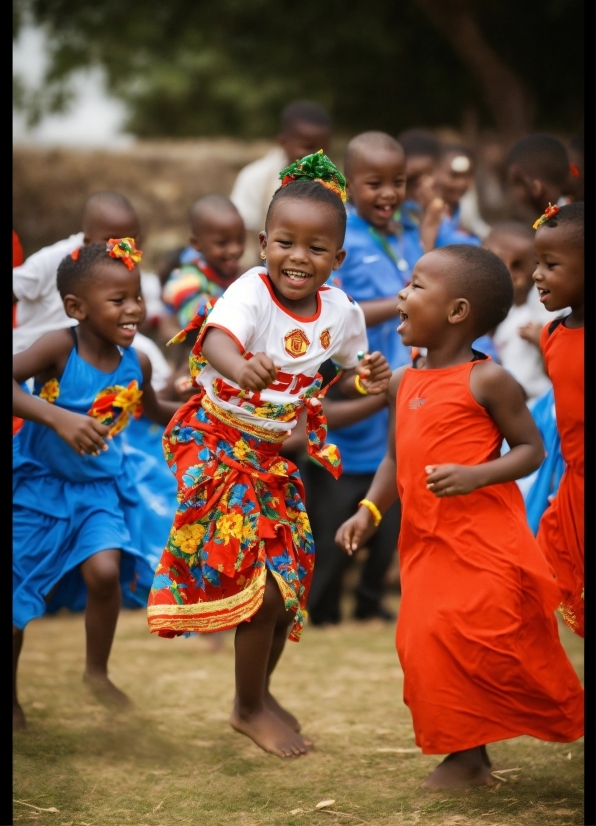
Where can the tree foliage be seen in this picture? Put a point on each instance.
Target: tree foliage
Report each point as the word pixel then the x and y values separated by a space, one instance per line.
pixel 212 67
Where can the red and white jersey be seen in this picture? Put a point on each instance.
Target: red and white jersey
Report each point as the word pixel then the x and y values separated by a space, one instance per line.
pixel 251 314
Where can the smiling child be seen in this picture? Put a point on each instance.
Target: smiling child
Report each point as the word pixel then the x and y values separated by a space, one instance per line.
pixel 240 553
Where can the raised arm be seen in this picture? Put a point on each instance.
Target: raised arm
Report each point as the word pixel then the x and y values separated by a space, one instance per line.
pixel 496 390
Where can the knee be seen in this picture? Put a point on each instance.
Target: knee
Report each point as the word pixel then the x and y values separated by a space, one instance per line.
pixel 102 577
pixel 272 603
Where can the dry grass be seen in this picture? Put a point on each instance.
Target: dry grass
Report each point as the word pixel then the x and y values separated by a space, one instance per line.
pixel 176 761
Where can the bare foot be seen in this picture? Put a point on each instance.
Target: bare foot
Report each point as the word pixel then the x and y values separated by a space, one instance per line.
pixel 268 732
pixel 459 770
pixel 105 691
pixel 285 716
pixel 19 722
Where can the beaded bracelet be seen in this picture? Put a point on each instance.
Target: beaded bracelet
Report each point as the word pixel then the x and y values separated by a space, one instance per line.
pixel 376 513
pixel 359 386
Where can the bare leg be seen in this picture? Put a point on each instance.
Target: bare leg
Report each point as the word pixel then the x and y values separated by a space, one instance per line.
pixel 101 573
pixel 461 769
pixel 280 635
pixel 253 644
pixel 485 758
pixel 18 717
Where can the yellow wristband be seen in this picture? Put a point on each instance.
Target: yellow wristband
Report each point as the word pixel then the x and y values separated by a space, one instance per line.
pixel 376 513
pixel 359 386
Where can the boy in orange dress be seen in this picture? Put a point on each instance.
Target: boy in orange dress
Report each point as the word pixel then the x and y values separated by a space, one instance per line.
pixel 559 276
pixel 477 635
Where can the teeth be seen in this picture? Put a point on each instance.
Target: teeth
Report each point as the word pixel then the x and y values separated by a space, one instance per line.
pixel 296 274
pixel 129 326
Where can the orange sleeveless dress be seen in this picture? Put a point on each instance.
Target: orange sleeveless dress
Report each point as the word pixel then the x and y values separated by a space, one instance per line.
pixel 477 636
pixel 561 531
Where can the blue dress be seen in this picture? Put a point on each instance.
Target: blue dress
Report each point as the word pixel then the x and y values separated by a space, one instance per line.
pixel 67 507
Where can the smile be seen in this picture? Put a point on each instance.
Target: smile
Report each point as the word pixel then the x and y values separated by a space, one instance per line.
pixel 403 318
pixel 296 275
pixel 543 294
pixel 129 327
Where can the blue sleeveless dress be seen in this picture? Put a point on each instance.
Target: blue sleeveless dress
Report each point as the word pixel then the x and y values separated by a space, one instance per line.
pixel 68 507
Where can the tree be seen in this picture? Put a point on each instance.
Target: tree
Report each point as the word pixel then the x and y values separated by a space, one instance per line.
pixel 211 67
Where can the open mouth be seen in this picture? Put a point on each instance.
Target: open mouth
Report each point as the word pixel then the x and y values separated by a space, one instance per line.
pixel 385 210
pixel 130 327
pixel 296 275
pixel 543 294
pixel 403 318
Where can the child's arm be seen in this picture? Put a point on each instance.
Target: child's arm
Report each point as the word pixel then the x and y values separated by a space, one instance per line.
pixel 374 372
pixel 48 357
pixel 222 353
pixel 344 412
pixel 504 399
pixel 383 491
pixel 156 409
pixel 378 310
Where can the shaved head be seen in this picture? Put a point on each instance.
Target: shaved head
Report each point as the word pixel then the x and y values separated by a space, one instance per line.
pixel 210 208
pixel 109 215
pixel 367 144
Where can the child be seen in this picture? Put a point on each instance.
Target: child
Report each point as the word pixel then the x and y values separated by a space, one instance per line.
pixel 559 276
pixel 374 271
pixel 305 128
pixel 210 264
pixel 517 337
pixel 538 173
pixel 454 175
pixel 477 637
pixel 240 554
pixel 39 307
pixel 422 209
pixel 68 504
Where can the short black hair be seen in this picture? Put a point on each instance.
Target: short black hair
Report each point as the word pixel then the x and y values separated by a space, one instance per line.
pixel 72 272
pixel 482 277
pixel 542 157
pixel 519 228
pixel 570 216
pixel 311 191
pixel 369 141
pixel 304 111
pixel 208 205
pixel 419 143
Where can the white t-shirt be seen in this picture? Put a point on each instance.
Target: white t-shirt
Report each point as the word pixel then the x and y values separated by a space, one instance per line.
pixel 254 188
pixel 39 306
pixel 522 359
pixel 251 314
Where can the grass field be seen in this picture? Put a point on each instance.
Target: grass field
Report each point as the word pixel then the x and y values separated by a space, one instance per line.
pixel 175 760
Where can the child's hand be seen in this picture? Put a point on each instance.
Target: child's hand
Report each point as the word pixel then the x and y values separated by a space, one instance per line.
pixel 355 531
pixel 451 480
pixel 83 433
pixel 257 373
pixel 531 332
pixel 374 372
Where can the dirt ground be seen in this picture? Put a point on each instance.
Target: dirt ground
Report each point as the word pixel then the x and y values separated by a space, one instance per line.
pixel 175 760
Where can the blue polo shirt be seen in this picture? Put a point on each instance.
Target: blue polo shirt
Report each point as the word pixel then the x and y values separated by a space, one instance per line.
pixel 369 272
pixel 450 232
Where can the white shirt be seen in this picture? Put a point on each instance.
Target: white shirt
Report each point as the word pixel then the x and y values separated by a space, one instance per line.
pixel 39 306
pixel 251 314
pixel 522 359
pixel 254 188
pixel 160 369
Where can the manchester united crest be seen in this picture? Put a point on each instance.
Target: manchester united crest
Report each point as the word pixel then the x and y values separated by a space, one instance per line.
pixel 296 343
pixel 325 339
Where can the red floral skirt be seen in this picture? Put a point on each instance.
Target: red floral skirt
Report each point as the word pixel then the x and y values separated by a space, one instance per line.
pixel 240 514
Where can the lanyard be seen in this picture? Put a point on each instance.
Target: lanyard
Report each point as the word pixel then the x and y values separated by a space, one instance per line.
pixel 400 263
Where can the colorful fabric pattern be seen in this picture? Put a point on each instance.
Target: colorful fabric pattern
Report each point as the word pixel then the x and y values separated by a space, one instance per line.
pixel 115 405
pixel 240 514
pixel 189 288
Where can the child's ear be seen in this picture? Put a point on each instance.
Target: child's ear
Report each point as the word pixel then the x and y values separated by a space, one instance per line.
pixel 263 241
pixel 74 307
pixel 340 257
pixel 194 242
pixel 459 311
pixel 536 188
